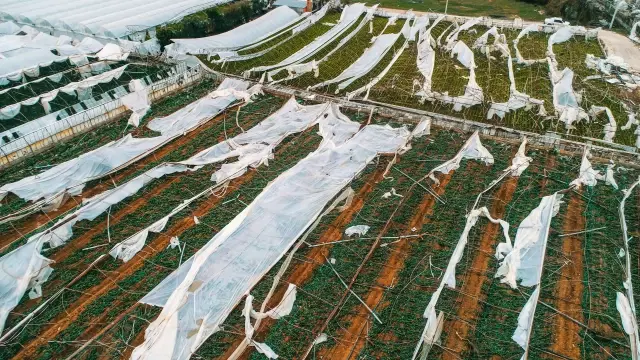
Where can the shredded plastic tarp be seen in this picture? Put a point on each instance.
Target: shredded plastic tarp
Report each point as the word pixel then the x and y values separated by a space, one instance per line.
pixel 608 177
pixel 606 65
pixel 472 149
pixel 229 91
pixel 71 175
pixel 610 128
pixel 412 31
pixel 633 35
pixel 365 63
pixel 523 260
pixel 565 100
pixel 29 63
pixel 426 58
pixel 265 26
pixel 452 38
pixel 357 230
pixel 21 272
pixel 529 29
pixel 626 304
pixel 349 15
pixel 252 149
pixel 137 101
pixel 112 52
pixel 588 175
pixel 525 320
pixel 199 295
pixel 517 100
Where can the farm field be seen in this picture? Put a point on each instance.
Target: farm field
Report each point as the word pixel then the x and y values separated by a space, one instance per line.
pixel 394 268
pixel 395 79
pixel 237 221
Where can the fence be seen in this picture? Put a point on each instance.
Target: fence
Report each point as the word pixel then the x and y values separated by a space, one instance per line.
pixel 64 129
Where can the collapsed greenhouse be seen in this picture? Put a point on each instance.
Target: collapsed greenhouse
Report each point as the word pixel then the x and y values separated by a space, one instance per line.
pixel 348 183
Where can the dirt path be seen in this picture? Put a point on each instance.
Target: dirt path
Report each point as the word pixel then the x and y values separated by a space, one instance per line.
pixel 569 288
pixel 62 321
pixel 351 339
pixel 469 304
pixel 34 221
pixel 620 45
pixel 303 271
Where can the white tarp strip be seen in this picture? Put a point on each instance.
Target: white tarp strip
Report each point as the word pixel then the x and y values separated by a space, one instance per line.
pixel 199 295
pixel 349 15
pixel 523 261
pixel 430 334
pixel 606 65
pixel 261 28
pixel 364 64
pixel 297 70
pixel 137 101
pixel 71 175
pixel 192 115
pixel 472 149
pixel 611 127
pixel 629 324
pixel 588 175
pixel 626 304
pixel 529 29
pixel 608 177
pixel 452 38
pixel 252 149
pixel 426 58
pixel 356 229
pixel 229 56
pixel 418 25
pixel 449 277
pixel 565 99
pixel 517 100
pixel 28 63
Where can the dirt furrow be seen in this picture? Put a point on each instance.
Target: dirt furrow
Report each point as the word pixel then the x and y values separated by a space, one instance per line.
pixel 61 322
pixel 303 271
pixel 34 221
pixel 469 301
pixel 569 288
pixel 351 338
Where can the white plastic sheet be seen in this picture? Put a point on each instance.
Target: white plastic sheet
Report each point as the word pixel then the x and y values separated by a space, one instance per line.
pixel 9 28
pixel 565 100
pixel 525 320
pixel 356 230
pixel 364 64
pixel 588 175
pixel 521 161
pixel 524 259
pixel 137 101
pixel 472 149
pixel 198 296
pixel 610 128
pixel 517 100
pixel 265 26
pixel 527 30
pixel 349 15
pixel 20 271
pixel 14 67
pixel 228 92
pixel 71 175
pixel 426 58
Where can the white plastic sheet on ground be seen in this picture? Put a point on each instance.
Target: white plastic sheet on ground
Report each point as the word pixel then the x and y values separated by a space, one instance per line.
pixel 626 304
pixel 565 100
pixel 523 260
pixel 527 30
pixel 452 38
pixel 608 177
pixel 349 15
pixel 365 63
pixel 265 26
pixel 356 230
pixel 610 128
pixel 517 100
pixel 199 295
pixel 18 273
pixel 633 35
pixel 426 58
pixel 251 148
pixel 607 64
pixel 71 175
pixel 472 149
pixel 588 175
pixel 412 31
pixel 228 92
pixel 525 320
pixel 520 161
